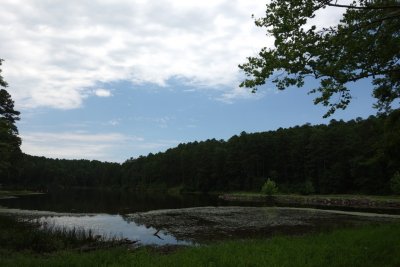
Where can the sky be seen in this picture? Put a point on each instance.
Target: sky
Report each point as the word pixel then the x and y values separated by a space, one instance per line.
pixel 115 79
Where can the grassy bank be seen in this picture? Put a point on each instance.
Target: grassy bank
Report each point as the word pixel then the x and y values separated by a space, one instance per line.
pixel 376 245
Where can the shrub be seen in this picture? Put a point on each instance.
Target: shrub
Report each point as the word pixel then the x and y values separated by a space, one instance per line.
pixel 307 188
pixel 269 188
pixel 395 183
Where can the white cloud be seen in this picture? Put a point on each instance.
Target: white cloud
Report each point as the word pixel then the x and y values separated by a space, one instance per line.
pixel 240 93
pixel 57 51
pixel 73 144
pixel 83 145
pixel 102 93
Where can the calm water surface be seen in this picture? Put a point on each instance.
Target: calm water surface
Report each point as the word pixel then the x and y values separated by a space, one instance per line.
pixel 160 219
pixel 103 211
pixel 107 201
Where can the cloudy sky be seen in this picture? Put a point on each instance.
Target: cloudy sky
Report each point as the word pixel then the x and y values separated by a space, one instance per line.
pixel 114 79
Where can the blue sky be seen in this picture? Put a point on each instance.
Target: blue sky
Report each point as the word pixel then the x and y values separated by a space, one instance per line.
pixel 146 119
pixel 110 80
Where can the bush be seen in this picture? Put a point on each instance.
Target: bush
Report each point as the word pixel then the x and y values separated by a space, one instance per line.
pixel 395 183
pixel 307 188
pixel 269 188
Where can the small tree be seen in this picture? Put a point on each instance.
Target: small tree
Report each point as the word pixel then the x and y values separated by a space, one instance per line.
pixel 269 188
pixel 395 183
pixel 307 188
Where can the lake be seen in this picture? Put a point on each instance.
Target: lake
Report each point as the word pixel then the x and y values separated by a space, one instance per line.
pixel 161 219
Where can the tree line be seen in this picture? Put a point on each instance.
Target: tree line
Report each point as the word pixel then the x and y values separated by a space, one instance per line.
pixel 358 156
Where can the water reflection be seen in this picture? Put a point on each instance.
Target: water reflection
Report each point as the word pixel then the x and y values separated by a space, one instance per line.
pixel 102 211
pixel 111 226
pixel 161 219
pixel 107 201
pixel 204 224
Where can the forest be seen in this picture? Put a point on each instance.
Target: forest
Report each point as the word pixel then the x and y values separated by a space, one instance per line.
pixel 358 156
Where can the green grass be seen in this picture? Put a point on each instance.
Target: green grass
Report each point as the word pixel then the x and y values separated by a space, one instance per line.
pixel 375 245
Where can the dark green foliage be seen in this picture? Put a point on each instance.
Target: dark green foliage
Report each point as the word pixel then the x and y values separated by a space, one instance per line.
pixel 366 43
pixel 395 183
pixel 342 157
pixel 359 156
pixel 269 188
pixel 9 139
pixel 2 82
pixel 307 188
pixel 41 173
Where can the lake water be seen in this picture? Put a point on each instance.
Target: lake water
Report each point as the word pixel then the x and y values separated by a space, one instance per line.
pixel 107 201
pixel 160 219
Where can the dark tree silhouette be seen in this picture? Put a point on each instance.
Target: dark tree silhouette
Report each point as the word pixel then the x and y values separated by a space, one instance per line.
pixel 366 43
pixel 9 139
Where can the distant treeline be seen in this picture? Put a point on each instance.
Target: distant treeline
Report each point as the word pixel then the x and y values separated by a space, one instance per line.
pixel 358 156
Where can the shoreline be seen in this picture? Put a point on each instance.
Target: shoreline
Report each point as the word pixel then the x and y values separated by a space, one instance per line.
pixel 7 194
pixel 332 201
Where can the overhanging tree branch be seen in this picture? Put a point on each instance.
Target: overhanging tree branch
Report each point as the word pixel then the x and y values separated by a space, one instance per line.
pixel 371 5
pixel 366 43
pixel 365 7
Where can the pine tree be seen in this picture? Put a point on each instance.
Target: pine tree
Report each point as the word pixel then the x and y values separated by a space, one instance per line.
pixel 9 140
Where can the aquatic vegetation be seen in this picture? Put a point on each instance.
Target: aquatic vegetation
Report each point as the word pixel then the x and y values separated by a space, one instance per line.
pixel 18 234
